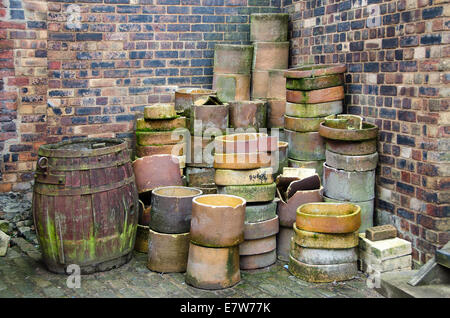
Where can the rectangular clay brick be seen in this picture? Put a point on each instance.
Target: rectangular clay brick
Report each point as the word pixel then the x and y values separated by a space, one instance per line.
pixel 382 232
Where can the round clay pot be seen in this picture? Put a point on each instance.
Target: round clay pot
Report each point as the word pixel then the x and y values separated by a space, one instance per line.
pixel 352 186
pixel 147 172
pixel 225 177
pixel 213 268
pixel 232 86
pixel 317 165
pixel 319 82
pixel 251 193
pixel 241 161
pixel 152 138
pixel 325 240
pixel 141 243
pixel 172 209
pixel 248 114
pixel 232 58
pixel 287 212
pixel 316 96
pixel 352 148
pixel 218 220
pixel 284 238
pixel 160 125
pixel 257 261
pixel 174 150
pixel 257 230
pixel 302 124
pixel 351 163
pixel 323 256
pixel 160 111
pixel 322 273
pixel 327 217
pixel 197 177
pixel 314 110
pixel 258 212
pixel 185 97
pixel 209 120
pixel 315 70
pixel 168 253
pixel 237 143
pixel 259 246
pixel 305 146
pixel 368 131
pixel 272 27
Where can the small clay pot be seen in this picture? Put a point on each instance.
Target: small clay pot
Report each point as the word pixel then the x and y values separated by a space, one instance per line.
pixel 327 217
pixel 259 246
pixel 322 273
pixel 305 145
pixel 225 177
pixel 351 163
pixel 147 172
pixel 352 148
pixel 257 230
pixel 185 97
pixel 368 131
pixel 325 240
pixel 257 261
pixel 314 110
pixel 241 161
pixel 287 212
pixel 213 268
pixel 251 193
pixel 248 114
pixel 168 253
pixel 302 124
pixel 236 143
pixel 160 111
pixel 172 209
pixel 218 220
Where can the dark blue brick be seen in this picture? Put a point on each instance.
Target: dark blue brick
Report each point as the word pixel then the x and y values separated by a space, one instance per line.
pixel 40 53
pixel 80 111
pixel 319 11
pixel 168 2
pixel 103 9
pixel 202 10
pixel 99 119
pixel 202 27
pixel 406 140
pixel 213 19
pixel 430 39
pixel 178 80
pixel 117 1
pixel 357 46
pixel 154 63
pixel 102 65
pixel 360 24
pixel 405 187
pixel 389 43
pixel 166 54
pixel 154 81
pixel 389 67
pixel 36 25
pixel 140 18
pixel 167 72
pixel 371 67
pixel 128 9
pixel 62 37
pixel 343 26
pixel 388 90
pixel 15 4
pixel 178 27
pixel 344 6
pixel 409 41
pixel 431 13
pixel 17 14
pixel 202 62
pixel 141 55
pixel 89 36
pixel 388 113
pixel 330 28
pixel 405 214
pixel 79 120
pixel 120 118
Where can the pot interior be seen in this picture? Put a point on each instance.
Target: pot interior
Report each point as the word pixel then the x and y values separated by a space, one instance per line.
pixel 328 209
pixel 220 200
pixel 177 191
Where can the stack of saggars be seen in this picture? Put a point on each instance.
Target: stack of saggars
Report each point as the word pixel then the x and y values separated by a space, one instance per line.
pixel 169 227
pixel 295 186
pixel 161 131
pixel 269 34
pixel 242 163
pixel 217 229
pixel 380 250
pixel 232 71
pixel 186 97
pixel 148 176
pixel 312 93
pixel 351 159
pixel 209 118
pixel 324 246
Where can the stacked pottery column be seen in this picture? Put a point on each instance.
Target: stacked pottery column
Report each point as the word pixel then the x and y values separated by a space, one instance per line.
pixel 324 245
pixel 243 169
pixel 232 71
pixel 168 241
pixel 208 118
pixel 161 131
pixel 351 160
pixel 217 229
pixel 269 34
pixel 312 92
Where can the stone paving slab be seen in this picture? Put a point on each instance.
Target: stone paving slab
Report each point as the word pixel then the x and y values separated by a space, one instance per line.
pixel 23 275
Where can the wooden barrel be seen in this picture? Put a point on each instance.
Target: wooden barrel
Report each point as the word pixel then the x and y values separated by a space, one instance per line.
pixel 85 204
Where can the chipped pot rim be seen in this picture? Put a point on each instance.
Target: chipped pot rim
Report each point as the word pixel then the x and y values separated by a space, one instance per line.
pixel 242 204
pixel 355 211
pixel 193 189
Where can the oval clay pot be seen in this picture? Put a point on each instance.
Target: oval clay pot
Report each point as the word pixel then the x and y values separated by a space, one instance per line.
pixel 172 209
pixel 251 193
pixel 175 150
pixel 153 138
pixel 160 111
pixel 305 146
pixel 368 131
pixel 218 220
pixel 160 125
pixel 352 148
pixel 257 230
pixel 325 240
pixel 322 273
pixel 314 110
pixel 236 143
pixel 327 217
pixel 325 256
pixel 302 124
pixel 287 212
pixel 319 82
pixel 315 70
pixel 351 163
pixel 258 246
pixel 225 177
pixel 213 268
pixel 316 96
pixel 270 55
pixel 241 161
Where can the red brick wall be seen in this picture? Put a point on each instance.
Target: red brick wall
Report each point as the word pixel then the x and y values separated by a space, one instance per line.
pixel 61 79
pixel 397 56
